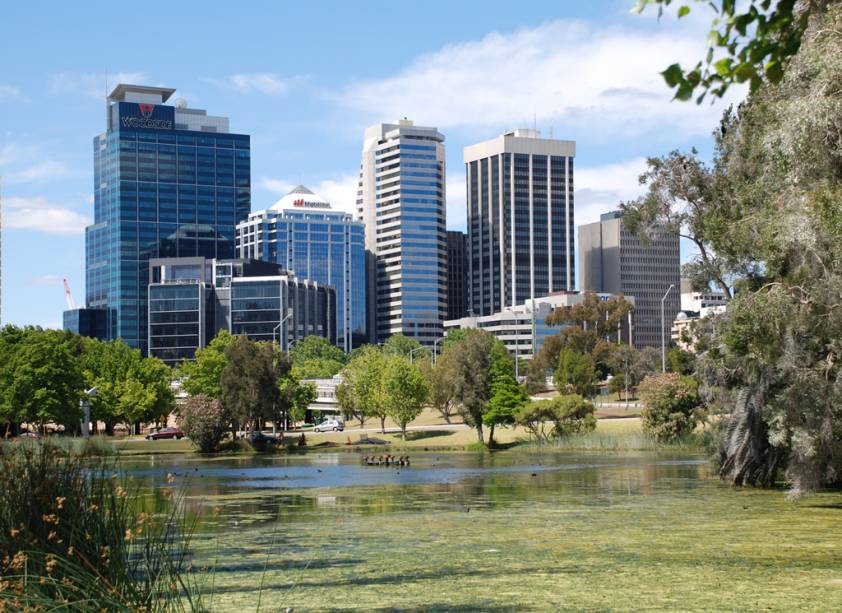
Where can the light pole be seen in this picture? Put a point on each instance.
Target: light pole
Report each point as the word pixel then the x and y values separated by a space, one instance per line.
pixel 663 332
pixel 435 351
pixel 85 405
pixel 277 328
pixel 413 351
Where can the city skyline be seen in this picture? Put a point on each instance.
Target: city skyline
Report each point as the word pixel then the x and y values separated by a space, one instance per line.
pixel 52 106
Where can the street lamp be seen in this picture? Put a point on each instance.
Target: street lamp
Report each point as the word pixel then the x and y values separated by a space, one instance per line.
pixel 283 321
pixel 663 331
pixel 85 405
pixel 413 351
pixel 435 350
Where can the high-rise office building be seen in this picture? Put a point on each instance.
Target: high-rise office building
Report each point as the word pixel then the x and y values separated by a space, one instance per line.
pixel 192 299
pixel 302 234
pixel 520 219
pixel 613 260
pixel 401 200
pixel 457 272
pixel 169 181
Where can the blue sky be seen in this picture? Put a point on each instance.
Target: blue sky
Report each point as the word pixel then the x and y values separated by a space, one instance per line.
pixel 304 79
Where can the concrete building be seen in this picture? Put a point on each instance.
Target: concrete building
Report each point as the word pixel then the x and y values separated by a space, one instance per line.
pixel 615 261
pixel 520 219
pixel 702 302
pixel 518 326
pixel 304 235
pixel 401 201
pixel 192 299
pixel 457 273
pixel 169 181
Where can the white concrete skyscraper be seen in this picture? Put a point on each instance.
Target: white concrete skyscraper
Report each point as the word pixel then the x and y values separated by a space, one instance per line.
pixel 520 219
pixel 401 200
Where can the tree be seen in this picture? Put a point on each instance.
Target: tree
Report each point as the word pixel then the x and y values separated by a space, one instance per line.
pixel 538 418
pixel 671 406
pixel 359 393
pixel 439 377
pixel 568 414
pixel 748 41
pixel 575 374
pixel 471 360
pixel 632 365
pixel 680 361
pixel 299 396
pixel 205 421
pixel 249 382
pixel 398 344
pixel 506 398
pixel 204 374
pixel 42 377
pixel 618 384
pixel 403 390
pixel 315 357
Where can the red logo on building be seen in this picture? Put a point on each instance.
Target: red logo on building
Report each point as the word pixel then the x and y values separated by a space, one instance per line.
pixel 146 110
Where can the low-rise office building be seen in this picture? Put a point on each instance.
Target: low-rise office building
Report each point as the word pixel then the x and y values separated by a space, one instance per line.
pixel 192 299
pixel 523 328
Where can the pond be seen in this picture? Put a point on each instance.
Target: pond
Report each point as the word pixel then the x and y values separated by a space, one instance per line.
pixel 512 531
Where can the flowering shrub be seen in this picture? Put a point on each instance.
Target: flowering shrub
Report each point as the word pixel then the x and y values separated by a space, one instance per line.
pixel 205 421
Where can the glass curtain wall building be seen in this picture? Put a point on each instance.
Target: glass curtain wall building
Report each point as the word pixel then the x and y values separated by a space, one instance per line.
pixel 192 299
pixel 169 181
pixel 303 235
pixel 520 219
pixel 401 200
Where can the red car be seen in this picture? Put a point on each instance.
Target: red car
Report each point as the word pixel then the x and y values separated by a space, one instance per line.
pixel 165 433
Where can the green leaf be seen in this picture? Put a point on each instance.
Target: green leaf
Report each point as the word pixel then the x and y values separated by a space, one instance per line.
pixel 774 71
pixel 723 66
pixel 673 75
pixel 683 11
pixel 684 92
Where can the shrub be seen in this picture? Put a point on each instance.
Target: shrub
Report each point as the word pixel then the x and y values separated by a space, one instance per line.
pixel 205 421
pixel 561 416
pixel 575 374
pixel 73 537
pixel 671 406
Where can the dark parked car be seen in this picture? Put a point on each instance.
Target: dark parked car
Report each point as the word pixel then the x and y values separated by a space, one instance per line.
pixel 165 433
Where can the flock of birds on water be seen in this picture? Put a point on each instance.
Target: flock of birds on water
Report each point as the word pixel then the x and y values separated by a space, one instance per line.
pixel 386 460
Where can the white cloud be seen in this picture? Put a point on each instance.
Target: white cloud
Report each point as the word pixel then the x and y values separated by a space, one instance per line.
pixel 340 192
pixel 46 281
pixel 599 78
pixel 262 83
pixel 457 202
pixel 90 84
pixel 10 92
pixel 600 189
pixel 42 171
pixel 37 214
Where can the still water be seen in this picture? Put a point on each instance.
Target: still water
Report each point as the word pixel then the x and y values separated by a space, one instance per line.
pixel 509 531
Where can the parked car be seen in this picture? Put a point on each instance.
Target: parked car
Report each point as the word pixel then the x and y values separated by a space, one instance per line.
pixel 259 439
pixel 175 433
pixel 329 425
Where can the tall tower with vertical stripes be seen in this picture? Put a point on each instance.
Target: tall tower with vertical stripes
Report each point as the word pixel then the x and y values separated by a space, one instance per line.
pixel 520 219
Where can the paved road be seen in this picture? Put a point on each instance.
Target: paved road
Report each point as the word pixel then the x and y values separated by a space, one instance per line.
pixel 395 430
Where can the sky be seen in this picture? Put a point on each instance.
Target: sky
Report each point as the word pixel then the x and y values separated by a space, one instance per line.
pixel 304 79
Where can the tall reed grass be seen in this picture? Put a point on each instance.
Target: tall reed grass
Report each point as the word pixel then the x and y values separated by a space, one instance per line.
pixel 74 536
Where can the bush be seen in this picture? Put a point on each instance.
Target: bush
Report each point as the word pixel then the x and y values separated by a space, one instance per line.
pixel 671 406
pixel 73 537
pixel 205 421
pixel 575 374
pixel 557 417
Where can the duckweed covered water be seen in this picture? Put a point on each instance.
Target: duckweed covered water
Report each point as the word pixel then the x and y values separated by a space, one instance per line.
pixel 504 532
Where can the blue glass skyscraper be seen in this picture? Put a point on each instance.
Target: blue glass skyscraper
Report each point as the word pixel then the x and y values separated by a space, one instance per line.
pixel 169 181
pixel 301 233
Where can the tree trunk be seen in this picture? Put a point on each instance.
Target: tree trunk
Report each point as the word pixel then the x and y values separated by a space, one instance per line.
pixel 747 457
pixel 383 425
pixel 403 431
pixel 491 442
pixel 479 433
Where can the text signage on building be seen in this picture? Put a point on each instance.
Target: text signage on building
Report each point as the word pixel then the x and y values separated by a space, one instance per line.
pixel 146 116
pixel 309 204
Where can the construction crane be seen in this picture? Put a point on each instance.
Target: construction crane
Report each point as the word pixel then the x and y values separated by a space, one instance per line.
pixel 67 294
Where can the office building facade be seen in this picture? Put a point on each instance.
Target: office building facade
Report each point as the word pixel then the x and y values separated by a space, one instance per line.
pixel 401 201
pixel 520 219
pixel 613 260
pixel 169 181
pixel 192 299
pixel 457 273
pixel 303 235
pixel 522 328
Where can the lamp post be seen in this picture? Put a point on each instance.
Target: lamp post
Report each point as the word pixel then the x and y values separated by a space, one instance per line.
pixel 435 350
pixel 85 405
pixel 663 332
pixel 413 351
pixel 277 328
